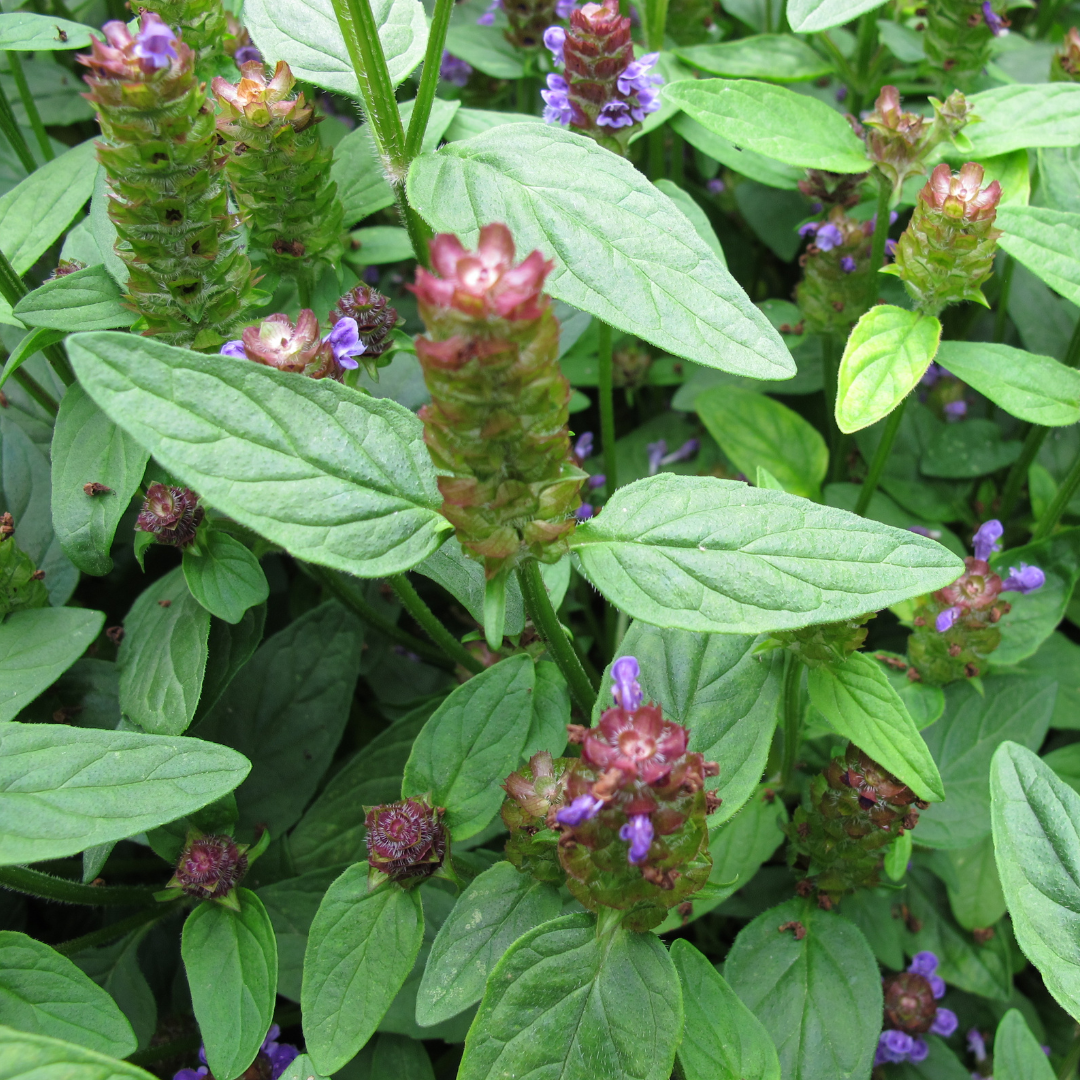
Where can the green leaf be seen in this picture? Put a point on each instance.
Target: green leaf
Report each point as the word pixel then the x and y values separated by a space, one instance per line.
pixel 860 704
pixel 975 895
pixel 478 732
pixel 286 711
pixel 1034 388
pixel 87 300
pixel 45 993
pixel 884 358
pixel 963 742
pixel 807 16
pixel 1046 241
pixel 381 244
pixel 115 968
pixel 1019 116
pixel 484 47
pixel 65 789
pixel 353 486
pixel 1036 817
pixel 36 647
pixel 562 1002
pixel 224 576
pixel 965 451
pixel 756 431
pixel 940 1064
pixel 756 166
pixel 550 712
pixel 498 907
pixel 162 658
pixel 360 949
pixel 723 1039
pixel 1017 1053
pixel 793 128
pixel 402 1058
pixel 230 958
pixel 819 998
pixel 470 122
pixel 229 648
pixel 305 34
pixel 32 1057
pixel 718 556
pixel 1058 658
pixel 621 251
pixel 356 170
pixel 34 342
pixel 88 447
pixel 776 57
pixel 694 214
pixel 303 1068
pixel 924 703
pixel 715 685
pixel 22 31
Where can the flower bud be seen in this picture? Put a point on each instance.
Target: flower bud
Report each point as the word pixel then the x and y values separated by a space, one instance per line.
pixel 209 867
pixel 957 39
pixel 406 840
pixel 911 1010
pixel 535 794
pixel 375 320
pixel 172 514
pixel 1065 65
pixel 203 23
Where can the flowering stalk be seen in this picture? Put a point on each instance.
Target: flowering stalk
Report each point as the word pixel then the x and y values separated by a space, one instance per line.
pixel 958 36
pixel 203 23
pixel 188 277
pixel 912 1010
pixel 279 171
pixel 406 841
pixel 833 293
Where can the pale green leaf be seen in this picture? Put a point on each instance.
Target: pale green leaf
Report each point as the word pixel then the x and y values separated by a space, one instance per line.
pixel 807 16
pixel 776 57
pixel 1046 241
pixel 23 31
pixel 1018 116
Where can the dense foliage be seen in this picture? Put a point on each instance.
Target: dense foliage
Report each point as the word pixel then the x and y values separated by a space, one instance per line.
pixel 539 540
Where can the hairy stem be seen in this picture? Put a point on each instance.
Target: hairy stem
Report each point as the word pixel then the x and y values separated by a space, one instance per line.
pixel 881 458
pixel 429 80
pixel 35 883
pixel 13 133
pixel 606 391
pixel 422 614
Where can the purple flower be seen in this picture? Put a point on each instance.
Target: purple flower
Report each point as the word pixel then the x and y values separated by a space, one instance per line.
pixel 245 54
pixel 637 77
pixel 615 114
pixel 488 18
pixel 976 1045
pixel 715 186
pixel 579 811
pixel 453 69
pixel 923 963
pixel 986 541
pixel 626 691
pixel 234 348
pixel 687 450
pixel 555 42
pixel 932 374
pixel 564 8
pixel 583 448
pixel 847 264
pixel 945 620
pixel 945 1023
pixel 956 410
pixel 890 248
pixel 597 480
pixel 997 23
pixel 893 1046
pixel 345 340
pixel 937 986
pixel 154 42
pixel 279 1055
pixel 656 451
pixel 922 530
pixel 918 1050
pixel 828 237
pixel 557 102
pixel 584 512
pixel 1026 579
pixel 809 229
pixel 192 1074
pixel 841 93
pixel 639 831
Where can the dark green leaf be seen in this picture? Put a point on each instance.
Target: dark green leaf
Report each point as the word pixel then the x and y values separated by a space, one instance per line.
pixel 968 449
pixel 819 998
pixel 26 32
pixel 716 555
pixel 231 963
pixel 360 949
pixel 402 1058
pixel 87 300
pixel 88 448
pixel 1017 1053
pixel 224 577
pixel 1058 658
pixel 551 712
pixel 1018 116
pixel 353 487
pixel 563 1003
pixel 722 1039
pixel 229 648
pixel 64 789
pixel 971 877
pixel 31 1057
pixel 776 57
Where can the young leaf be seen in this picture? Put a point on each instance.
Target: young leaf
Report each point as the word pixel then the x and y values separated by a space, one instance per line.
pixel 162 658
pixel 225 577
pixel 360 949
pixel 65 789
pixel 723 1039
pixel 718 556
pixel 472 741
pixel 754 430
pixel 561 1002
pixel 87 300
pixel 36 647
pixel 230 959
pixel 621 251
pixel 770 120
pixel 88 448
pixel 1018 116
pixel 777 57
pixel 29 1057
pixel 1017 1053
pixel 498 907
pixel 45 993
pixel 860 704
pixel 808 16
pixel 23 31
pixel 887 353
pixel 818 997
pixel 353 486
pixel 1036 818
pixel 1047 242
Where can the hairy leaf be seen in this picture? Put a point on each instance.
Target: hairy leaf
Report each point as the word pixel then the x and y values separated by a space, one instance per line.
pixel 224 577
pixel 1047 242
pixel 87 300
pixel 806 16
pixel 1017 1053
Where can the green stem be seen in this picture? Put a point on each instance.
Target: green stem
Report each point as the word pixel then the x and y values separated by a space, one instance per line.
pixel 678 158
pixel 429 79
pixel 15 61
pixel 881 234
pixel 1014 482
pixel 656 25
pixel 1001 314
pixel 864 52
pixel 840 63
pixel 881 457
pixel 768 16
pixel 1072 353
pixel 830 367
pixel 418 229
pixel 35 883
pixel 1048 522
pixel 13 133
pixel 36 391
pixel 791 716
pixel 606 390
pixel 350 592
pixel 425 619
pixel 116 930
pixel 655 162
pixel 305 285
pixel 538 605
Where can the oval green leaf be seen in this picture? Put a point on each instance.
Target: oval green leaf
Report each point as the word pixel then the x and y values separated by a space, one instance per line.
pixel 1047 242
pixel 808 16
pixel 31 1057
pixel 1017 1053
pixel 777 57
pixel 224 576
pixel 1019 116
pixel 87 300
pixel 22 31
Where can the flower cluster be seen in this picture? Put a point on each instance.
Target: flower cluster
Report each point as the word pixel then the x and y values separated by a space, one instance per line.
pixel 603 91
pixel 172 514
pixel 528 19
pixel 583 449
pixel 535 794
pixel 958 36
pixel 856 809
pixel 406 841
pixel 912 1010
pixel 271 1061
pixel 836 272
pixel 824 643
pixel 375 320
pixel 203 23
pixel 956 627
pixel 633 806
pixel 497 422
pixel 1065 66
pixel 210 867
pixel 659 457
pixel 278 343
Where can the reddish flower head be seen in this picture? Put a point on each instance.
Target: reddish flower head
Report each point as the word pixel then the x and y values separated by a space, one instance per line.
pixel 209 867
pixel 483 284
pixel 405 839
pixel 958 196
pixel 641 744
pixel 172 514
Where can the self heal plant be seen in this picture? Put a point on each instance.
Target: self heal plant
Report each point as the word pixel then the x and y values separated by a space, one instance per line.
pixel 836 272
pixel 406 841
pixel 279 343
pixel 912 1010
